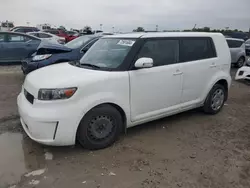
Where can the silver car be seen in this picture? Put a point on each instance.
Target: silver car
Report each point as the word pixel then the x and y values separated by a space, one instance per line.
pixel 238 51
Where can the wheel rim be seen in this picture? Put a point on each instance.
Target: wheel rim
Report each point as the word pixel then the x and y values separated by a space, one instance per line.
pixel 217 99
pixel 240 62
pixel 100 128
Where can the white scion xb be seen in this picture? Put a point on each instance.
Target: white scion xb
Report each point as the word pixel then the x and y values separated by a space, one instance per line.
pixel 122 81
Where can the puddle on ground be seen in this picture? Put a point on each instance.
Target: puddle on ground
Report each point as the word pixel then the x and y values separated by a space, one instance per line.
pixel 18 155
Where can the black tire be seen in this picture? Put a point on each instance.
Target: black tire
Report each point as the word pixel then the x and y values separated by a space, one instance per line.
pixel 98 122
pixel 209 102
pixel 240 62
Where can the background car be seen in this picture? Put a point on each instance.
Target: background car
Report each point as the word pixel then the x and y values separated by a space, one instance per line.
pixel 237 50
pixel 15 47
pixel 51 54
pixel 247 44
pixel 48 37
pixel 59 32
pixel 72 35
pixel 24 29
pixel 248 62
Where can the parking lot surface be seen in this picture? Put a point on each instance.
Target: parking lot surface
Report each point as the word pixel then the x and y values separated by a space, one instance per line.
pixel 186 150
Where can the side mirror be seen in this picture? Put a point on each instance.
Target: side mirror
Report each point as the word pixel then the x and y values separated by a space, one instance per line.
pixel 144 62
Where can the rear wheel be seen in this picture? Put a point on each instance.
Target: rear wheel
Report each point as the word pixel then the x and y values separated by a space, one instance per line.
pixel 100 127
pixel 215 99
pixel 240 62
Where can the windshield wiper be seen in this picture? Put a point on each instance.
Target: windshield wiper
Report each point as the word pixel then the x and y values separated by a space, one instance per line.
pixel 90 65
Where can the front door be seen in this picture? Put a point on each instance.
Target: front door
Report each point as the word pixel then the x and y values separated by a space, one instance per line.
pixel 14 47
pixel 156 91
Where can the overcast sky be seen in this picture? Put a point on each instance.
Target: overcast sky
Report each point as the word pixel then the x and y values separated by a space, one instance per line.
pixel 126 15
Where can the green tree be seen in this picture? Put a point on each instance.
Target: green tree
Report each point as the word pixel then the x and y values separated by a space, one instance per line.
pixel 87 29
pixel 62 28
pixel 139 29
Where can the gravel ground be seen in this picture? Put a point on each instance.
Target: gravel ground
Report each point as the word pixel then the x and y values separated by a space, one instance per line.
pixel 190 150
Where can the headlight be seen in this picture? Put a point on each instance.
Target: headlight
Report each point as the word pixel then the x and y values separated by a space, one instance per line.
pixel 248 59
pixel 56 94
pixel 41 57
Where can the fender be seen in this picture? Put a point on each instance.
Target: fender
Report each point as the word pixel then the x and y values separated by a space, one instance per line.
pixel 91 101
pixel 221 75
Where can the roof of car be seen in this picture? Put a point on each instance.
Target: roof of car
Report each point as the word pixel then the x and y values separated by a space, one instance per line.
pixel 163 34
pixel 18 33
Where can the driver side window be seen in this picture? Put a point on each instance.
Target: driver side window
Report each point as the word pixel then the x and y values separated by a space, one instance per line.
pixel 162 51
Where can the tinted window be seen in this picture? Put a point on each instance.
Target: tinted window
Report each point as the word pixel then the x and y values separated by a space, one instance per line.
pixel 1 37
pixel 19 30
pixel 193 49
pixel 17 38
pixel 163 52
pixel 34 34
pixel 44 35
pixel 234 43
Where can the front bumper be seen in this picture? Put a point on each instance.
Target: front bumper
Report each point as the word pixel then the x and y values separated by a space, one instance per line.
pixel 48 124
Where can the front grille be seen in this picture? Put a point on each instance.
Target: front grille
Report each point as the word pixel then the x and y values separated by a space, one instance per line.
pixel 28 96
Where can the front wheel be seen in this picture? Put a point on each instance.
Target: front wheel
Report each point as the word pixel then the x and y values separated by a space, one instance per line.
pixel 215 99
pixel 100 127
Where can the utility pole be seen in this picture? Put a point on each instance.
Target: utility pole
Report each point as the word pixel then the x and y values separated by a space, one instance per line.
pixel 156 28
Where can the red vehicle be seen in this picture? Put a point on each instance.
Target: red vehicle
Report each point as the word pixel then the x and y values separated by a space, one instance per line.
pixel 72 35
pixel 61 33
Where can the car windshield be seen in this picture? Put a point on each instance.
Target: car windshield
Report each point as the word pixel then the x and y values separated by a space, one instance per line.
pixel 108 53
pixel 248 41
pixel 78 42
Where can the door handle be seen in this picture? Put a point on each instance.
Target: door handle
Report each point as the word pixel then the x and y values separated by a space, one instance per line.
pixel 213 65
pixel 178 72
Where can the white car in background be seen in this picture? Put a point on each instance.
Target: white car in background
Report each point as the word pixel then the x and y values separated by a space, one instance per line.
pixel 48 37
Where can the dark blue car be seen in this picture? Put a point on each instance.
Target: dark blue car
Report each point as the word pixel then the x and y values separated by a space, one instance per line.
pixel 48 54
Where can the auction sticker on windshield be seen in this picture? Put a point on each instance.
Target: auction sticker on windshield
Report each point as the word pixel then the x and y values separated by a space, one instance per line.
pixel 126 42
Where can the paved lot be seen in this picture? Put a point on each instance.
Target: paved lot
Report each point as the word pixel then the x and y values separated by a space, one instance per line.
pixel 190 150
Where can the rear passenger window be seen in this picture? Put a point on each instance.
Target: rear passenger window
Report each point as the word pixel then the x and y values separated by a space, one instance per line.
pixel 234 43
pixel 193 49
pixel 162 51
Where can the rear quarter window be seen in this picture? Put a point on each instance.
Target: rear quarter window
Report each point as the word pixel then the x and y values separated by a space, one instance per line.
pixel 234 43
pixel 197 48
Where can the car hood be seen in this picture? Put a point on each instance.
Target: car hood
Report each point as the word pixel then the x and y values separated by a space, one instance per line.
pixel 46 47
pixel 61 75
